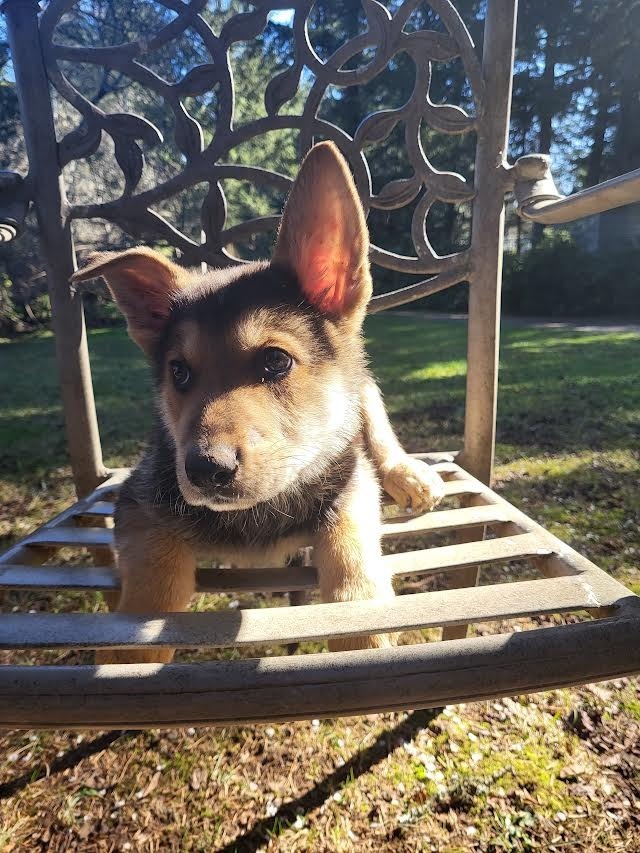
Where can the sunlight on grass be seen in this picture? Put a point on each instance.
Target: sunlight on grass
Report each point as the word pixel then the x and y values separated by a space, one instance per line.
pixel 439 369
pixel 563 338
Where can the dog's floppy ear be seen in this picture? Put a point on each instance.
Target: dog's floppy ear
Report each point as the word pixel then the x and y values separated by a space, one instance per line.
pixel 323 235
pixel 143 284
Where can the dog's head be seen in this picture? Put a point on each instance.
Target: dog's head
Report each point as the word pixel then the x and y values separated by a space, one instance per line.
pixel 258 367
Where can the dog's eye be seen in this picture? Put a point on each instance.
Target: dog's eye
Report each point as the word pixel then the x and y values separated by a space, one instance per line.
pixel 276 363
pixel 181 374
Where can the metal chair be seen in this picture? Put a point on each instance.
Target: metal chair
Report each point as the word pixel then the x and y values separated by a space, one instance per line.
pixel 316 684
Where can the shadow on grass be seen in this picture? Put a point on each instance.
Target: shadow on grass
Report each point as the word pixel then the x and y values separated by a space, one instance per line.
pixel 70 759
pixel 254 838
pixel 361 763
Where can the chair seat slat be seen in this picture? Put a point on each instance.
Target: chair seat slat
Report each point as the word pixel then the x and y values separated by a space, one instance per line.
pixel 445 520
pixel 100 508
pixel 304 623
pixel 82 537
pixel 286 579
pixel 468 554
pixel 57 577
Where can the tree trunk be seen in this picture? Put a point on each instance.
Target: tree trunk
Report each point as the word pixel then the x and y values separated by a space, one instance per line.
pixel 627 140
pixel 594 160
pixel 546 111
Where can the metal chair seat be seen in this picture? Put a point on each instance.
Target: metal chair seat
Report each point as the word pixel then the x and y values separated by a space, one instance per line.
pixel 316 684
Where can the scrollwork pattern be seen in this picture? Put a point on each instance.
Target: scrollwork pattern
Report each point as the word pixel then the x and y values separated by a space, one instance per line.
pixel 385 36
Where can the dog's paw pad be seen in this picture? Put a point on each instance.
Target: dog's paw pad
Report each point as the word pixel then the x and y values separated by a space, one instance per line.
pixel 414 485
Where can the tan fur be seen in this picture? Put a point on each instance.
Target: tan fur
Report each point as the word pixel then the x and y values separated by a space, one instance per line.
pixel 157 575
pixel 348 553
pixel 410 482
pixel 323 234
pixel 146 304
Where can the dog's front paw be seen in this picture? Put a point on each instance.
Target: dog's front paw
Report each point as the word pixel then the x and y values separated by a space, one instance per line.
pixel 414 485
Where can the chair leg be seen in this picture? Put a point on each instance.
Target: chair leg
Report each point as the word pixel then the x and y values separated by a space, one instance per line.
pixel 299 596
pixel 458 580
pixel 103 557
pixel 56 246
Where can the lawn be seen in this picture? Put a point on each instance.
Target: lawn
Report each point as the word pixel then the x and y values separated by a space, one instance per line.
pixel 556 771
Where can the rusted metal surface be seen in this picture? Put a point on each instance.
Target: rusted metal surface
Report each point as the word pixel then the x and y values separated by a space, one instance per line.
pixel 486 241
pixel 304 623
pixel 340 684
pixel 483 338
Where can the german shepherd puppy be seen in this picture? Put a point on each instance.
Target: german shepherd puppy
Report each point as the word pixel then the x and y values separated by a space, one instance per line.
pixel 270 434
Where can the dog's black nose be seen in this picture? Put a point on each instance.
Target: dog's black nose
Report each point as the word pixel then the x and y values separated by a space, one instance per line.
pixel 216 467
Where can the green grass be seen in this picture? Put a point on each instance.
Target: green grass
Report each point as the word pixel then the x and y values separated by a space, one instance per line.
pixel 560 391
pixel 32 437
pixel 554 771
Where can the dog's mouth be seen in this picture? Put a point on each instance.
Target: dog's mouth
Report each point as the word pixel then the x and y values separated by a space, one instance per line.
pixel 226 503
pixel 218 498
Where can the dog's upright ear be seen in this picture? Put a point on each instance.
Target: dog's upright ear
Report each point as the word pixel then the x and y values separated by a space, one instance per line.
pixel 144 284
pixel 324 237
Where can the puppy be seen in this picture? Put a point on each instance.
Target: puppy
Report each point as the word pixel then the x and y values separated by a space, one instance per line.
pixel 270 434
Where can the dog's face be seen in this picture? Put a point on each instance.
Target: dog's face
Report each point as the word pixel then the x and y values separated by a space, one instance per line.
pixel 258 368
pixel 256 390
